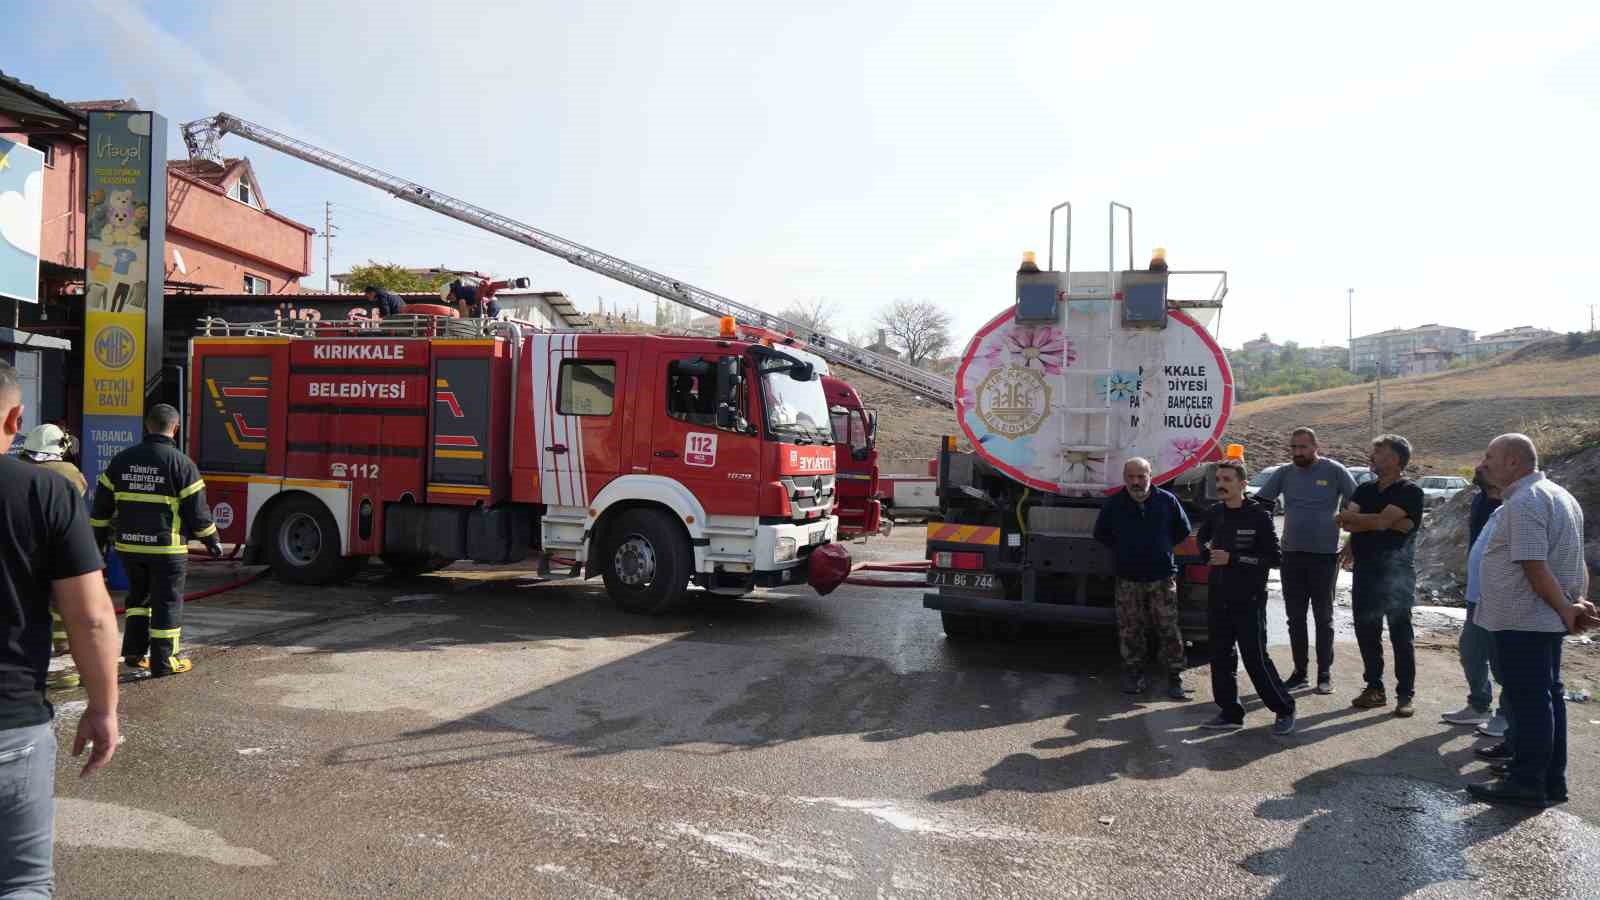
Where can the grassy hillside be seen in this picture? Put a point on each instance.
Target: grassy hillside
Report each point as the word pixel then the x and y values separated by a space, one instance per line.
pixel 1548 390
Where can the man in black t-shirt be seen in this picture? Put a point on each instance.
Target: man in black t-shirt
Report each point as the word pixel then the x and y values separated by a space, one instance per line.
pixel 1383 518
pixel 47 552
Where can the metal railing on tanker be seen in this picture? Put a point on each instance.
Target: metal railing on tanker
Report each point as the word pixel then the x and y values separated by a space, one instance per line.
pixel 402 326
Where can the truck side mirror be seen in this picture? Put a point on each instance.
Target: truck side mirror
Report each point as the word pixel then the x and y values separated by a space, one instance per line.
pixel 872 428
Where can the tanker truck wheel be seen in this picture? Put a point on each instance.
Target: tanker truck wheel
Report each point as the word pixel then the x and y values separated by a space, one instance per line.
pixel 303 543
pixel 647 562
pixel 963 629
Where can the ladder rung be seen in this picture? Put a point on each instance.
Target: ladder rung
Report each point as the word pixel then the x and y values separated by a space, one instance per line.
pixel 1085 448
pixel 1084 485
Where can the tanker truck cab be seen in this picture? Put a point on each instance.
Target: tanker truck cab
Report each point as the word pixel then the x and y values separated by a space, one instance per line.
pixel 1077 373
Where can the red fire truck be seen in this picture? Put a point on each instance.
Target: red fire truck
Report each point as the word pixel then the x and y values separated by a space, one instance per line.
pixel 650 461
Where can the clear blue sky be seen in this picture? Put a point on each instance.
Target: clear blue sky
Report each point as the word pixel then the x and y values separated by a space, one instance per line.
pixel 1440 162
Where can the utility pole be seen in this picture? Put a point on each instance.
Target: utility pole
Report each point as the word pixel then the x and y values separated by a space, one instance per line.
pixel 328 228
pixel 1350 324
pixel 1378 404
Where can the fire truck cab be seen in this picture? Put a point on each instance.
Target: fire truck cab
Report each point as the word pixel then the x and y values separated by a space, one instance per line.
pixel 650 461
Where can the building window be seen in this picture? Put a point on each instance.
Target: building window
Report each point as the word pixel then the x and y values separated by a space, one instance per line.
pixel 48 148
pixel 586 388
pixel 241 193
pixel 255 284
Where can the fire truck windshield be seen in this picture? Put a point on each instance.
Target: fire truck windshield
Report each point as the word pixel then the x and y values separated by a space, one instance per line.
pixel 796 410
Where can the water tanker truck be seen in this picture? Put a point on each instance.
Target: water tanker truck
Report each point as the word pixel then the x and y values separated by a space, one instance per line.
pixel 1081 372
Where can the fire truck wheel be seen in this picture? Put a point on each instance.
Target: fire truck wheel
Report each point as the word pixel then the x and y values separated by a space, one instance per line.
pixel 647 562
pixel 962 629
pixel 303 543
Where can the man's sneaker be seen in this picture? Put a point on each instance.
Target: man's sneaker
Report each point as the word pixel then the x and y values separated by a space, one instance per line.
pixel 1222 723
pixel 63 678
pixel 1175 688
pixel 1133 682
pixel 1466 715
pixel 1404 708
pixel 1371 698
pixel 1503 767
pixel 137 662
pixel 1296 682
pixel 1501 750
pixel 1495 727
pixel 1284 725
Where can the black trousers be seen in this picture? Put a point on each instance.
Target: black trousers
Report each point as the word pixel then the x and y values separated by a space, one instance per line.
pixel 1308 584
pixel 1238 628
pixel 154 608
pixel 1376 603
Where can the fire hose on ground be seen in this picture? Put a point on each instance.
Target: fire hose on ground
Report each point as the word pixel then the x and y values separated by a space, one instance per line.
pixel 830 567
pixel 222 588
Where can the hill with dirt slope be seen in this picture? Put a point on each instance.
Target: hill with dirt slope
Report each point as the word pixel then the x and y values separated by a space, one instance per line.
pixel 1547 390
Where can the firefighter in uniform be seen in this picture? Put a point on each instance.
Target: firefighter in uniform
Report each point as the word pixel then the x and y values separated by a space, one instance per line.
pixel 146 501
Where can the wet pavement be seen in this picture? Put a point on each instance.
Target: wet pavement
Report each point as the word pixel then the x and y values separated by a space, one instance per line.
pixel 479 733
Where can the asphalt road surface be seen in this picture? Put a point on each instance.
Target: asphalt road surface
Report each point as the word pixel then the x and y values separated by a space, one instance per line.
pixel 480 733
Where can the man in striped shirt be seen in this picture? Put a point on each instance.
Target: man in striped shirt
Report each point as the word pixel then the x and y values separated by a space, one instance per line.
pixel 1533 595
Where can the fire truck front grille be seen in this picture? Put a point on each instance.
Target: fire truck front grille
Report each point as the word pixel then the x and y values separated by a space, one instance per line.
pixel 809 494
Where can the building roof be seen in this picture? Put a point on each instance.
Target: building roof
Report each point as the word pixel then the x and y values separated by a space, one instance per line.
pixel 88 106
pixel 35 109
pixel 1521 331
pixel 1399 331
pixel 207 170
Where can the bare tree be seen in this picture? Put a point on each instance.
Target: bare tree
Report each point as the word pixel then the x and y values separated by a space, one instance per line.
pixel 921 330
pixel 813 315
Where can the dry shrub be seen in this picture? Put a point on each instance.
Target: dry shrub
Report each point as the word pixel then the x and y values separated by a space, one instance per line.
pixel 1558 438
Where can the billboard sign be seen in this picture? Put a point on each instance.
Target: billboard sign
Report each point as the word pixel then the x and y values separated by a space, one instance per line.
pixel 124 251
pixel 21 219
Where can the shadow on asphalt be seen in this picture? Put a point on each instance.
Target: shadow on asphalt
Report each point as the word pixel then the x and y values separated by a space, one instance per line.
pixel 1395 823
pixel 723 676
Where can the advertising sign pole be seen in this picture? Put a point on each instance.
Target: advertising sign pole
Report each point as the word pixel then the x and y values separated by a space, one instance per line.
pixel 124 275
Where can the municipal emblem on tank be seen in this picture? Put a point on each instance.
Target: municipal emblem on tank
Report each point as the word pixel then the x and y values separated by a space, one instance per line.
pixel 1013 402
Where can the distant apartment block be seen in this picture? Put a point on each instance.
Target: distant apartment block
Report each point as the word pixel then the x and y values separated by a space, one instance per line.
pixel 1506 341
pixel 1425 361
pixel 1386 349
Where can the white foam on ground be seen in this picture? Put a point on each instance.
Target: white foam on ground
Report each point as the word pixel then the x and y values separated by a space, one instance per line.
pixel 87 823
pixel 748 846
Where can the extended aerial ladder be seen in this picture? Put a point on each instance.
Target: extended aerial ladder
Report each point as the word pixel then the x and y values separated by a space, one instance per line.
pixel 202 135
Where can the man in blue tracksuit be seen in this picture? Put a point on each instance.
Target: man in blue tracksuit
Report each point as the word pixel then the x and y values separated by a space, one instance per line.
pixel 1142 524
pixel 1243 545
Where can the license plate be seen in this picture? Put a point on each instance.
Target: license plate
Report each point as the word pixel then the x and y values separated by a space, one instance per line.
pixel 967 581
pixel 817 536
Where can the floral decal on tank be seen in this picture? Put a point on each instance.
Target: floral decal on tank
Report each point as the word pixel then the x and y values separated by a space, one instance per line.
pixel 1028 397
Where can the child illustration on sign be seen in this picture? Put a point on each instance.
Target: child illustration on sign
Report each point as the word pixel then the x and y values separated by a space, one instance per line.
pixel 117 252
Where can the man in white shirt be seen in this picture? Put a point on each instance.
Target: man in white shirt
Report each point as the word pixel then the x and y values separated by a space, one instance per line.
pixel 1533 594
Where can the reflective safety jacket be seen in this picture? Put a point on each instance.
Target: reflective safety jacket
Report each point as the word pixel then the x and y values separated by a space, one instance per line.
pixel 151 500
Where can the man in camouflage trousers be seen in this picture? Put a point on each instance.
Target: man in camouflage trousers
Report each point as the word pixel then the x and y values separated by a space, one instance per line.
pixel 1142 524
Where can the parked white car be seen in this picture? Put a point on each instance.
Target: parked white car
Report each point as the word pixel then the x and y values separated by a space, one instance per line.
pixel 1436 489
pixel 1258 481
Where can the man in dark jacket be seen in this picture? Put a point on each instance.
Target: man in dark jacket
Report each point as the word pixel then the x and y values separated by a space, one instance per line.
pixel 148 502
pixel 1141 524
pixel 389 303
pixel 1243 545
